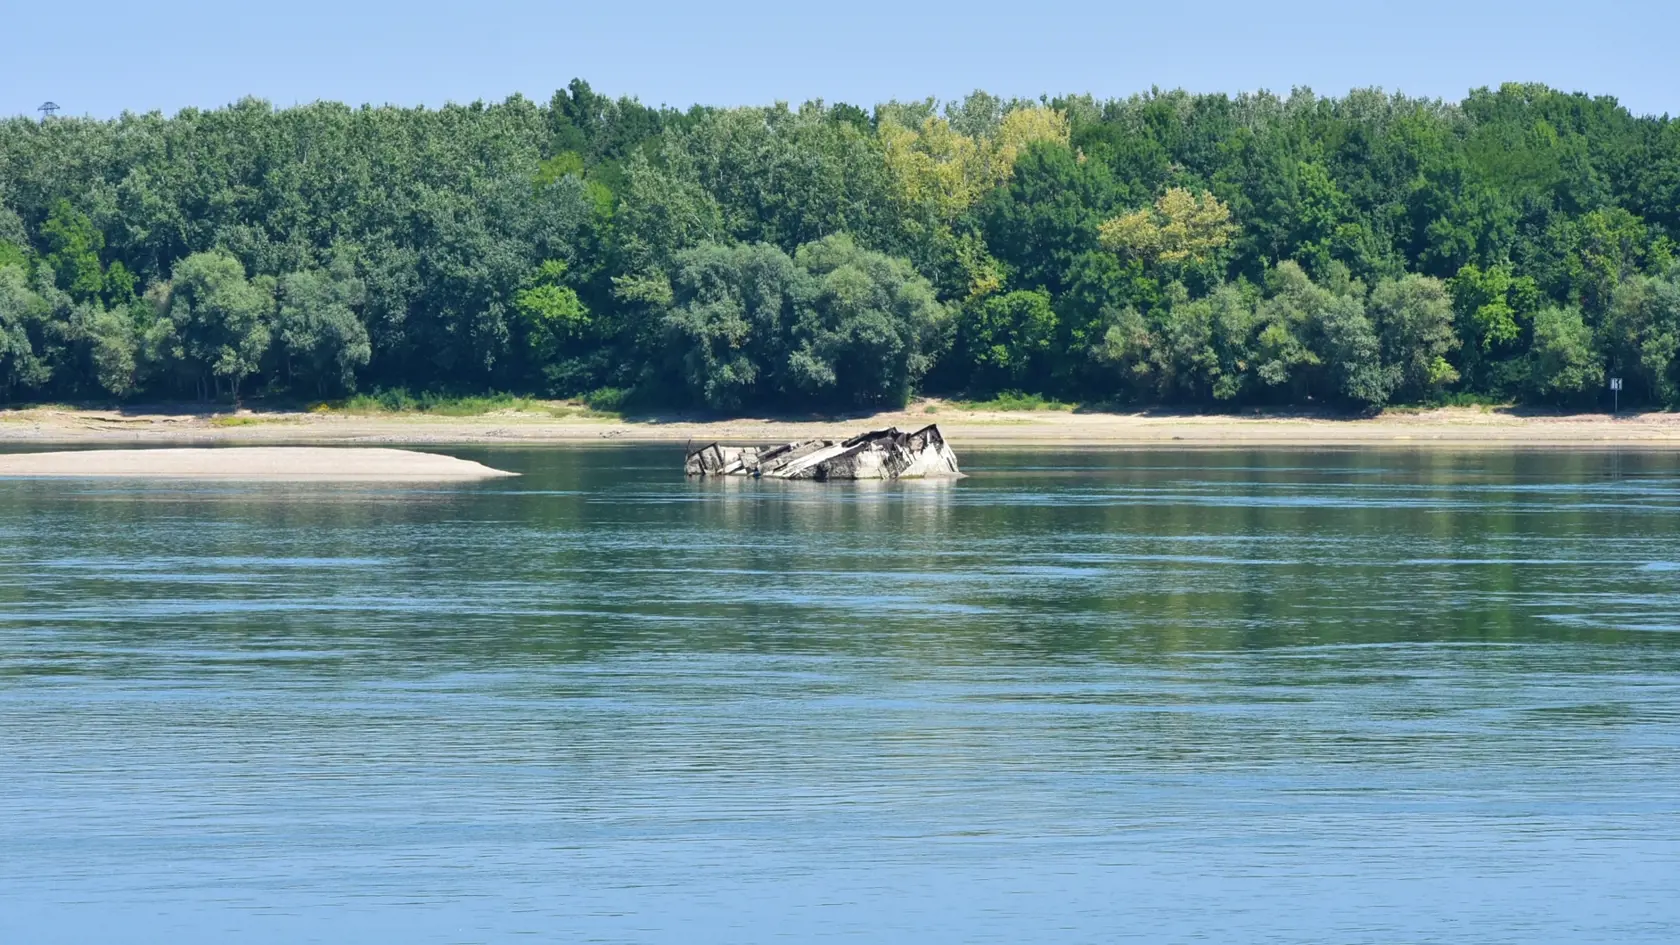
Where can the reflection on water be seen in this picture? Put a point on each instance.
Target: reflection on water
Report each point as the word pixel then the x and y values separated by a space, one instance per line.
pixel 1083 696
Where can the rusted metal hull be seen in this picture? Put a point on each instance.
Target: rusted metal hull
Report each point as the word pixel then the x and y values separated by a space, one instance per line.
pixel 880 454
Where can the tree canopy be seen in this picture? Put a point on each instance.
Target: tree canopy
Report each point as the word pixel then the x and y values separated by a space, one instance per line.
pixel 1169 247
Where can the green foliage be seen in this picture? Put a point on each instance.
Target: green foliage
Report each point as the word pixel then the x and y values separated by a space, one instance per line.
pixel 1413 318
pixel 1350 353
pixel 121 286
pixel 559 166
pixel 104 345
pixel 1491 305
pixel 553 322
pixel 1563 367
pixel 729 325
pixel 1190 350
pixel 607 399
pixel 1182 228
pixel 322 340
pixel 11 254
pixel 1641 335
pixel 73 246
pixel 12 231
pixel 402 400
pixel 216 324
pixel 1580 260
pixel 867 331
pixel 1166 248
pixel 1006 341
pixel 1209 346
pixel 1013 400
pixel 833 326
pixel 1047 216
pixel 22 313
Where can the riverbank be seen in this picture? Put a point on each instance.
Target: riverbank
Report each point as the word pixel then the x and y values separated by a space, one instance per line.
pixel 964 426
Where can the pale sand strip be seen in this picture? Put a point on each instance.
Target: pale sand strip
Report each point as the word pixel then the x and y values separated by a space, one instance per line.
pixel 309 463
pixel 1456 428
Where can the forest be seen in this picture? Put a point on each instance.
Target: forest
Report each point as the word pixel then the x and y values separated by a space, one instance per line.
pixel 1201 251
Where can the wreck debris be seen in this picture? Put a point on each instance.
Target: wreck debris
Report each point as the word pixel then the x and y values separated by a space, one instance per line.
pixel 879 454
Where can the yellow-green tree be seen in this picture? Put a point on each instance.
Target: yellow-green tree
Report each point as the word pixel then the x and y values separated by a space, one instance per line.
pixel 1182 227
pixel 939 173
pixel 941 170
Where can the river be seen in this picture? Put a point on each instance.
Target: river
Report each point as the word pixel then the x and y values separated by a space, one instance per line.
pixel 1079 696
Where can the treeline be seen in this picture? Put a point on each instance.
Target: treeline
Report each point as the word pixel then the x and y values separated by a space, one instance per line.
pixel 1166 248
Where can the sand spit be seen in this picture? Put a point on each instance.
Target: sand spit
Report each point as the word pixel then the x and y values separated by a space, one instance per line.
pixel 280 463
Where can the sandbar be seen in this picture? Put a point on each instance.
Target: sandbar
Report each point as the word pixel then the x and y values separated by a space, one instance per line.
pixel 305 463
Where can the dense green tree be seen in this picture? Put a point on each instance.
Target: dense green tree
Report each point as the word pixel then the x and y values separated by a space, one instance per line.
pixel 1192 350
pixel 1581 260
pixel 321 340
pixel 787 177
pixel 73 246
pixel 1563 365
pixel 1413 319
pixel 1047 216
pixel 665 210
pixel 1125 348
pixel 102 347
pixel 867 331
pixel 1491 305
pixel 1182 228
pixel 1641 336
pixel 1350 352
pixel 1103 291
pixel 14 239
pixel 552 316
pixel 215 324
pixel 13 254
pixel 12 230
pixel 1004 342
pixel 728 327
pixel 1494 312
pixel 1320 341
pixel 22 313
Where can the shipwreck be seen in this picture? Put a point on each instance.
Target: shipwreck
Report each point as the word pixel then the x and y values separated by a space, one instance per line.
pixel 879 454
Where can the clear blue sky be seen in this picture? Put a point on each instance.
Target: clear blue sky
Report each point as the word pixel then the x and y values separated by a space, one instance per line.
pixel 100 57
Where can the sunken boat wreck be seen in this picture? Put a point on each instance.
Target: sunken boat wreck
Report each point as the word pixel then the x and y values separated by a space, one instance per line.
pixel 880 454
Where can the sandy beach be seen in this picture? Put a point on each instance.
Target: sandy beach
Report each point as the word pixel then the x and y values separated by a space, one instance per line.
pixel 1446 427
pixel 311 463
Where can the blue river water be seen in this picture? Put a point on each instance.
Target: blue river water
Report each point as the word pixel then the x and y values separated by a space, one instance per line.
pixel 1079 696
